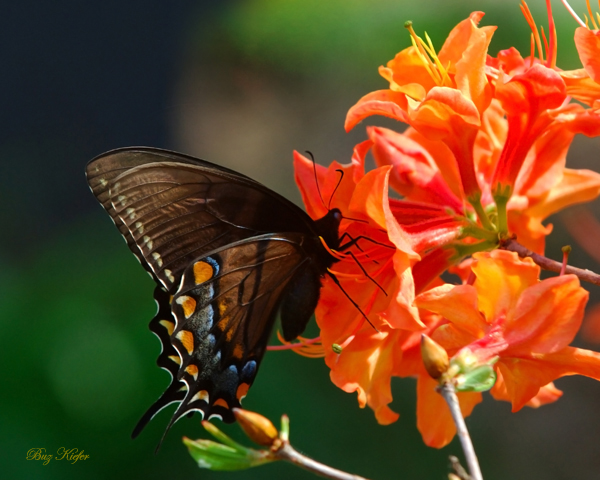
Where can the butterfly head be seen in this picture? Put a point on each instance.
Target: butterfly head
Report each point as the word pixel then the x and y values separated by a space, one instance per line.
pixel 328 227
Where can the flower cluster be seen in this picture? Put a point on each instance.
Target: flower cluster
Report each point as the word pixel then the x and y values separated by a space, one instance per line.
pixel 482 161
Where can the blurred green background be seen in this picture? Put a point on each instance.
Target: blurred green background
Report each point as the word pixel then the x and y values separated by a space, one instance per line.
pixel 242 84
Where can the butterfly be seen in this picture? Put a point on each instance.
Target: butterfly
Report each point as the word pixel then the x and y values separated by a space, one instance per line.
pixel 228 256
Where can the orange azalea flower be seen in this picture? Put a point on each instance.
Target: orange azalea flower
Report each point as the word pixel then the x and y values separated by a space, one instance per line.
pixel 423 171
pixel 442 96
pixel 396 236
pixel 507 156
pixel 584 84
pixel 510 315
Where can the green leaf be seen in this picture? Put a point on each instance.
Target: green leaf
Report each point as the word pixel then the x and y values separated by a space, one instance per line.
pixel 217 456
pixel 479 379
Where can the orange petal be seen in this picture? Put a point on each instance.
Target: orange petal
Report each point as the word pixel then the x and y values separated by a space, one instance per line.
pixel 530 231
pixel 546 394
pixel 471 78
pixel 415 174
pixel 576 186
pixel 381 102
pixel 525 376
pixel 588 46
pixel 458 304
pixel 526 98
pixel 580 86
pixel 501 278
pixel 433 416
pixel 547 316
pixel 443 157
pixel 366 366
pixel 407 74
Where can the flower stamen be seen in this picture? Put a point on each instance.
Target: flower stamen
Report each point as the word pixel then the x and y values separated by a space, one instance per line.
pixel 307 347
pixel 534 30
pixel 573 14
pixel 428 56
pixel 589 8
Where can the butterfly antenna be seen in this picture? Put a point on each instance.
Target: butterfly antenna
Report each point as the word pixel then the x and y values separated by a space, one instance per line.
pixel 312 157
pixel 336 187
pixel 337 282
pixel 355 219
pixel 354 241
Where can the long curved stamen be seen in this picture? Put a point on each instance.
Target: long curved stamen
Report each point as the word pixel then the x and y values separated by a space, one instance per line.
pixel 589 8
pixel 573 14
pixel 359 277
pixel 307 347
pixel 534 30
pixel 532 52
pixel 333 253
pixel 428 56
pixel 552 49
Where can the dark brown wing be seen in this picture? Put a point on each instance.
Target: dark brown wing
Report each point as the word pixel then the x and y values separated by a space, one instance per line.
pixel 223 315
pixel 172 208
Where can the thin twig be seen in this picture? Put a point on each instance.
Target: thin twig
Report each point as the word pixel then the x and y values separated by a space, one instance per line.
pixel 458 468
pixel 548 264
pixel 447 391
pixel 288 453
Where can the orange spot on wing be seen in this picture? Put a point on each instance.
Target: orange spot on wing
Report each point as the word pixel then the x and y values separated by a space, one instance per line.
pixel 192 370
pixel 188 304
pixel 176 359
pixel 238 351
pixel 201 395
pixel 168 325
pixel 222 403
pixel 223 325
pixel 202 272
pixel 242 391
pixel 222 306
pixel 187 340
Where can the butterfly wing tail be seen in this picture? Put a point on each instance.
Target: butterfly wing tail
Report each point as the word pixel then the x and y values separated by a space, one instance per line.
pixel 174 394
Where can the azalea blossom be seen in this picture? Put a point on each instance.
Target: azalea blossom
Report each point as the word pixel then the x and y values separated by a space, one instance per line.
pixel 483 158
pixel 509 316
pixel 489 136
pixel 397 250
pixel 584 84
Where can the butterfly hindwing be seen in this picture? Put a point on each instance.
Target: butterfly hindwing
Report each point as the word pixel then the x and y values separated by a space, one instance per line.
pixel 162 325
pixel 225 309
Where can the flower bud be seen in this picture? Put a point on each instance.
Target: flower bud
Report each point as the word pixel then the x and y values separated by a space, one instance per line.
pixel 258 428
pixel 434 356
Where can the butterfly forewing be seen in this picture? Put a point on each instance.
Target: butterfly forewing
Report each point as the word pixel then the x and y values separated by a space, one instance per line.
pixel 172 208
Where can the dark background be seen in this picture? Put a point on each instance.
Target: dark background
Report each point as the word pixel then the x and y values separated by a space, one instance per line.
pixel 242 84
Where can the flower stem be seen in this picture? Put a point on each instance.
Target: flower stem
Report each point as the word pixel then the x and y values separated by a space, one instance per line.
pixel 483 218
pixel 447 391
pixel 548 264
pixel 288 453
